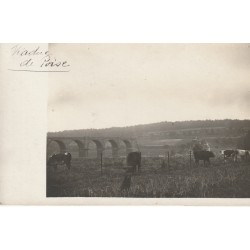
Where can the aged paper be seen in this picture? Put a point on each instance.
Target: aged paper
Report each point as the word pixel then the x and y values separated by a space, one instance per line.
pixel 179 105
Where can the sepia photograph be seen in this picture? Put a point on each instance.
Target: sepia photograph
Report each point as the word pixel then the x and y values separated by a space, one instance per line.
pixel 148 120
pixel 125 124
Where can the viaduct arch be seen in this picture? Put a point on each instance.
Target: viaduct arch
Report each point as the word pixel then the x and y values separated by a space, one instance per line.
pixel 83 143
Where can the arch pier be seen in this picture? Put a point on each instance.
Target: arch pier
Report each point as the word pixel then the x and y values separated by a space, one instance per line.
pixel 84 144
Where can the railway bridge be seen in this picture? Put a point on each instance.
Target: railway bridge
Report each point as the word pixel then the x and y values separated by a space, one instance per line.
pixel 100 142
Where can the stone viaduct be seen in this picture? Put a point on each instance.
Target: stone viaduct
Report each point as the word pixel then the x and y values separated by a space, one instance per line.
pixel 100 142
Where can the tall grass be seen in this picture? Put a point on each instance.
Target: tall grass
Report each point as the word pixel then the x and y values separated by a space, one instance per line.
pixel 180 179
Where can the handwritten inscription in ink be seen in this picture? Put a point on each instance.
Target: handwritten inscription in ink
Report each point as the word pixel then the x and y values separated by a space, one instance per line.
pixel 37 59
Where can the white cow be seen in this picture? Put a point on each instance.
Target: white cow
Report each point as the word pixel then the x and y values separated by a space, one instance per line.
pixel 242 153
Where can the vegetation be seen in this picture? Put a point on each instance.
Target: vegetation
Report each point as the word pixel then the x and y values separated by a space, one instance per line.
pixel 156 179
pixel 208 127
pixel 246 142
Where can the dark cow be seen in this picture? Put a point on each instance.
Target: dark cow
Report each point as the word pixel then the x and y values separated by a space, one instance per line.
pixel 228 153
pixel 203 155
pixel 58 159
pixel 134 160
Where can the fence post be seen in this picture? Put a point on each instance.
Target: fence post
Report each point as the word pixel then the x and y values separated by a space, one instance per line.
pixel 163 165
pixel 190 158
pixel 168 159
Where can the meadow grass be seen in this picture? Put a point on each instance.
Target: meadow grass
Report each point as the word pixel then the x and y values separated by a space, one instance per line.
pixel 180 179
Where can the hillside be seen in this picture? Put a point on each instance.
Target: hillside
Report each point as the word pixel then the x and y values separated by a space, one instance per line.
pixel 166 129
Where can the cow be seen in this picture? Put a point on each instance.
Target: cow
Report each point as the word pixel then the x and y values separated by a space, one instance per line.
pixel 62 158
pixel 203 155
pixel 227 153
pixel 242 153
pixel 134 160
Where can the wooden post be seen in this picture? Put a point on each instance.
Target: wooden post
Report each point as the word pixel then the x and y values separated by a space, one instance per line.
pixel 163 165
pixel 101 163
pixel 190 158
pixel 168 159
pixel 163 162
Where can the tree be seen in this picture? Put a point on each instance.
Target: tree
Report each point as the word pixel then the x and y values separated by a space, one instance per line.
pixel 247 140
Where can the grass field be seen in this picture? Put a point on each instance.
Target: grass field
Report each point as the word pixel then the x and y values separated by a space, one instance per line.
pixel 180 179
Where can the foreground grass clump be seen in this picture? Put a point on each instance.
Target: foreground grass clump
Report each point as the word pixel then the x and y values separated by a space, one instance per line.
pixel 180 179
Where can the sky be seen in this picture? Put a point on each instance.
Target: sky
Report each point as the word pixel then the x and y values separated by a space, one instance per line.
pixel 116 85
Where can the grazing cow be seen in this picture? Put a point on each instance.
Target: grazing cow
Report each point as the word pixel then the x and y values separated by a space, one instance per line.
pixel 228 153
pixel 134 160
pixel 203 155
pixel 242 153
pixel 57 159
